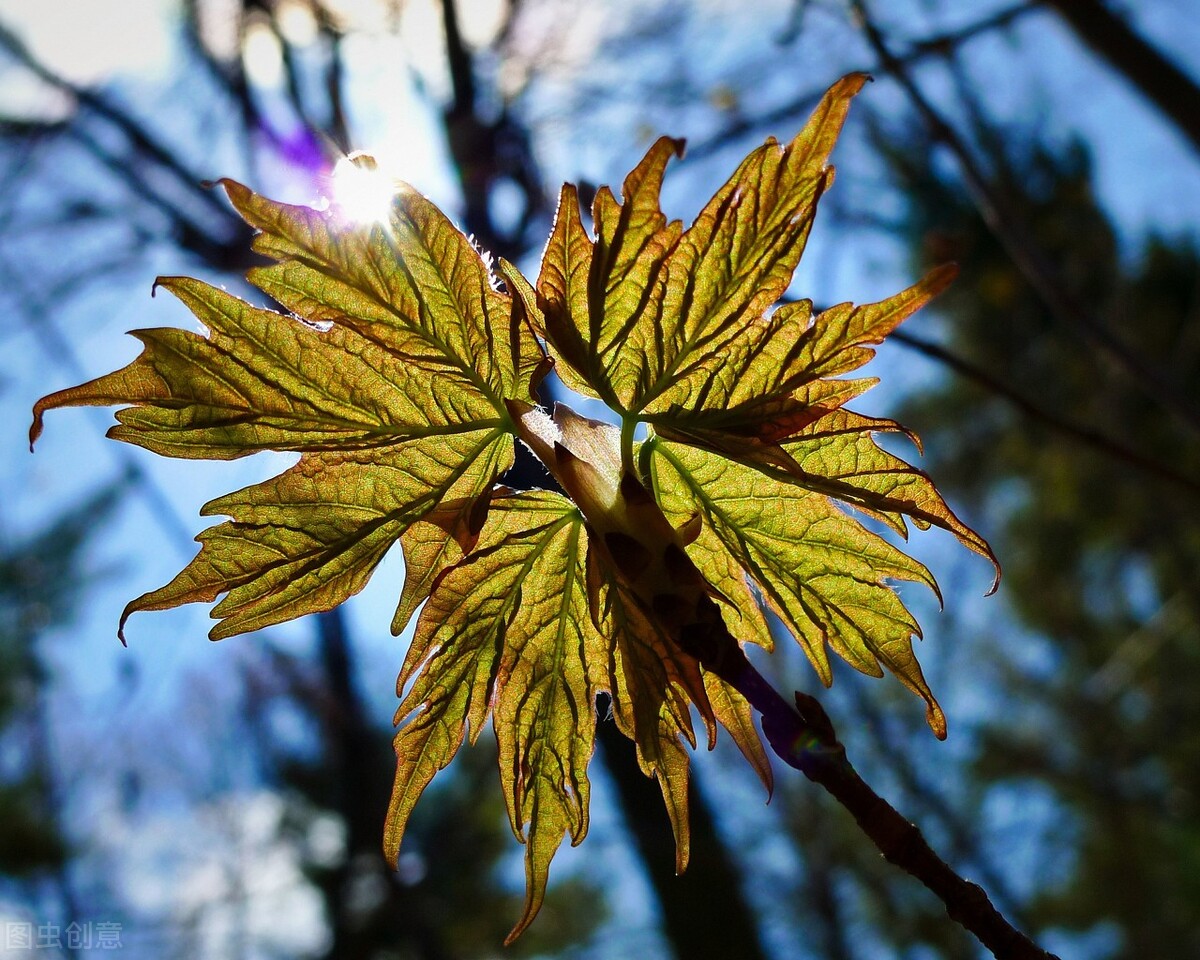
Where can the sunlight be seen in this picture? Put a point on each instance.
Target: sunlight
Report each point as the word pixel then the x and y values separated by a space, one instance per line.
pixel 297 23
pixel 90 41
pixel 262 54
pixel 362 190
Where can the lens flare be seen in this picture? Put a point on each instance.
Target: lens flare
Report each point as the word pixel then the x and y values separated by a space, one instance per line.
pixel 362 191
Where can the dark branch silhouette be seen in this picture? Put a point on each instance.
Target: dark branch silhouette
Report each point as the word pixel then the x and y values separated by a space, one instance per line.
pixel 1155 76
pixel 803 737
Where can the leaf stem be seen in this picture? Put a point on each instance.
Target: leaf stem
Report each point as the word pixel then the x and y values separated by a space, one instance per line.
pixel 628 426
pixel 803 737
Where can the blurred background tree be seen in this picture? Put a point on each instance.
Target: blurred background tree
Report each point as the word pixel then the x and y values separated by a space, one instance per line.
pixel 41 577
pixel 1101 550
pixel 228 801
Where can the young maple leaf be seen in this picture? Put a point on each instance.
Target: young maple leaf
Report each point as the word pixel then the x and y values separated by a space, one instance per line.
pixel 403 376
pixel 748 430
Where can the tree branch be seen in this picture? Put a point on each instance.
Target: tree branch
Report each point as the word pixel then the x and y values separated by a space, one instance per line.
pixel 935 46
pixel 804 738
pixel 103 107
pixel 960 835
pixel 1157 78
pixel 1085 435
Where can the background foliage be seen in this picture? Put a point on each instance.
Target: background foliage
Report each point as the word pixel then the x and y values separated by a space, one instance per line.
pixel 226 801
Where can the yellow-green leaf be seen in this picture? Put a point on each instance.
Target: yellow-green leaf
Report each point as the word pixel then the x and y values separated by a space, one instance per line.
pixel 821 571
pixel 596 293
pixel 263 381
pixel 415 285
pixel 644 310
pixel 509 628
pixel 435 543
pixel 733 712
pixel 401 375
pixel 772 381
pixel 310 538
pixel 653 685
pixel 838 455
pixel 390 377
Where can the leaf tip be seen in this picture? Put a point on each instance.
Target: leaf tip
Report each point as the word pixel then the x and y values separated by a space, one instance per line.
pixel 51 401
pixel 130 608
pixel 936 719
pixel 851 84
pixel 984 549
pixel 234 190
pixel 634 493
pixel 540 847
pixel 517 408
pixel 520 927
pixel 996 579
pixel 939 278
pixel 35 428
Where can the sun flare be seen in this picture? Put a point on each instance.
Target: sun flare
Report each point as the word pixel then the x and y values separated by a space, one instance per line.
pixel 363 190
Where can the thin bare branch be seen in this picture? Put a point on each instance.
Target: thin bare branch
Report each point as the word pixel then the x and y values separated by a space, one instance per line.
pixel 962 835
pixel 804 738
pixel 939 45
pixel 141 139
pixel 1085 435
pixel 1156 77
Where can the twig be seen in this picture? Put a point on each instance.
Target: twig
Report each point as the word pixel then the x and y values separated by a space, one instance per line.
pixel 103 107
pixel 934 46
pixel 951 40
pixel 1157 78
pixel 1085 435
pixel 804 738
pixel 964 843
pixel 189 234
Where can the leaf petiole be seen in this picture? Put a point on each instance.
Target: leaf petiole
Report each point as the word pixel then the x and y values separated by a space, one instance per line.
pixel 628 426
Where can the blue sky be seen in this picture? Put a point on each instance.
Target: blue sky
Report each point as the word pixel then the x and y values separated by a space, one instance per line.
pixel 592 112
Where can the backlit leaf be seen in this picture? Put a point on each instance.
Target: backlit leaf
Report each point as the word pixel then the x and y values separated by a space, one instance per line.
pixel 390 378
pixel 645 309
pixel 772 381
pixel 823 574
pixel 403 372
pixel 653 685
pixel 310 538
pixel 509 628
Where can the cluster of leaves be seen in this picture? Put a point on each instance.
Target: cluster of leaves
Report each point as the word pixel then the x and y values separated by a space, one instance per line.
pixel 403 377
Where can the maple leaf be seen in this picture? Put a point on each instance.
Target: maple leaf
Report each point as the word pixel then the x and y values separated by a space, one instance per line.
pixel 402 374
pixel 642 315
pixel 392 386
pixel 508 630
pixel 748 424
